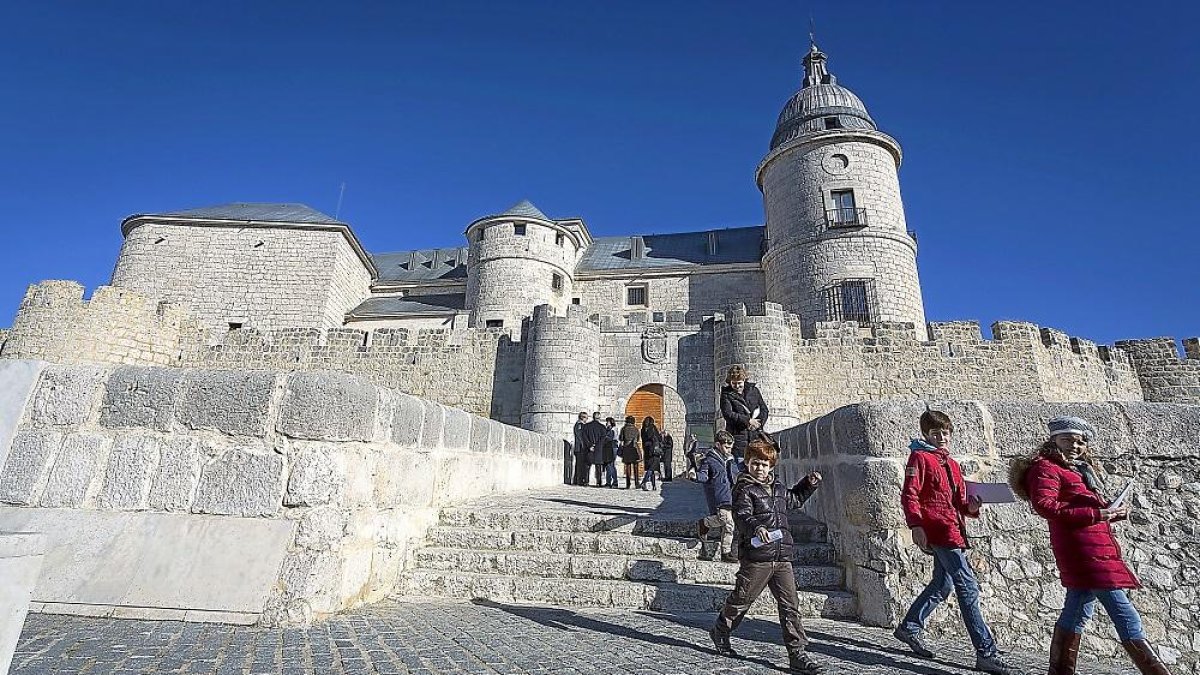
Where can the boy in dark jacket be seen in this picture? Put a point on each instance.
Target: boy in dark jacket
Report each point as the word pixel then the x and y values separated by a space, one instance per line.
pixel 760 506
pixel 716 472
pixel 934 499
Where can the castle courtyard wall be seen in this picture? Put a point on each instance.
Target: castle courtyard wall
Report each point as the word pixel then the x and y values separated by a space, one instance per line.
pixel 861 451
pixel 238 496
pixel 696 295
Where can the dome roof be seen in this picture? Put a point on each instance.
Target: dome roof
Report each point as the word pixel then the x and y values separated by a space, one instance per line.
pixel 820 105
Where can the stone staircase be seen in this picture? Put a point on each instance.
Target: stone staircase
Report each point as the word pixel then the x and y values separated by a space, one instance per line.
pixel 592 547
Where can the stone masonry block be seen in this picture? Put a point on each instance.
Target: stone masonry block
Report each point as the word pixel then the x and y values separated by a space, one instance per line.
pixel 328 406
pixel 407 420
pixel 315 476
pixel 241 482
pixel 435 420
pixel 131 467
pixel 79 461
pixel 140 397
pixel 457 431
pixel 232 402
pixel 480 429
pixel 65 395
pixel 29 461
pixel 180 461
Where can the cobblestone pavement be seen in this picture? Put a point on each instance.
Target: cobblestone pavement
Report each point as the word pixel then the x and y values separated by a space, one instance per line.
pixel 450 637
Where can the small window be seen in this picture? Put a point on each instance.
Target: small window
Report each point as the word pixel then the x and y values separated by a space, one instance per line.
pixel 833 123
pixel 519 229
pixel 560 238
pixel 844 212
pixel 234 325
pixel 479 235
pixel 494 323
pixel 556 282
pixel 574 301
pixel 658 317
pixel 635 296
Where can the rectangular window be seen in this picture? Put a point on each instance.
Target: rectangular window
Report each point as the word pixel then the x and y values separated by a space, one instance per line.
pixel 494 323
pixel 850 300
pixel 844 211
pixel 519 229
pixel 833 123
pixel 559 238
pixel 658 317
pixel 574 301
pixel 635 296
pixel 234 325
pixel 556 282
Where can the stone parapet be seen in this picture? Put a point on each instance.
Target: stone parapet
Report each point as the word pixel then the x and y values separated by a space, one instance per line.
pixel 861 451
pixel 1164 375
pixel 242 496
pixel 761 338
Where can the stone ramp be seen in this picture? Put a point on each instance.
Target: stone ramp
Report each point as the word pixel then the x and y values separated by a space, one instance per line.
pixel 598 547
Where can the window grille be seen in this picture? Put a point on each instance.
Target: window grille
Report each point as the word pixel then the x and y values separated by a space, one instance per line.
pixel 635 296
pixel 850 300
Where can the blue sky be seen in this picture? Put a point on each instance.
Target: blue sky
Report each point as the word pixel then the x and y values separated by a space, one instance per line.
pixel 1050 169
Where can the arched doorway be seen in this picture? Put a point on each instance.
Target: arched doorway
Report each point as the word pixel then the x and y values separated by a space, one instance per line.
pixel 647 401
pixel 668 410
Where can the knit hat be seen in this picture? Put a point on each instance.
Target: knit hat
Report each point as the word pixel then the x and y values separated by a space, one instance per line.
pixel 1065 424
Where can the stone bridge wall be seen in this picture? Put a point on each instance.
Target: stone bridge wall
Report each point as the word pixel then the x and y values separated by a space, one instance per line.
pixel 238 496
pixel 861 450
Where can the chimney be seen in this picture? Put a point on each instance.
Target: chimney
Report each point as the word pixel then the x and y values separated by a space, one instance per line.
pixel 712 242
pixel 637 248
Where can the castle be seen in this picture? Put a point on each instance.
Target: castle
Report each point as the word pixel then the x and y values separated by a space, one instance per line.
pixel 534 319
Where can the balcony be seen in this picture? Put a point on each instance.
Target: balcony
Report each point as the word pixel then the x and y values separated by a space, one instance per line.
pixel 844 218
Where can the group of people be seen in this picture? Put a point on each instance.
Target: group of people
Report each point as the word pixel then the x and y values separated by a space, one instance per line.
pixel 598 445
pixel 748 506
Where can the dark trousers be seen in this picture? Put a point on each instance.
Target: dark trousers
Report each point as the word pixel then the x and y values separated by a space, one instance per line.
pixel 751 579
pixel 582 469
pixel 667 460
pixel 740 441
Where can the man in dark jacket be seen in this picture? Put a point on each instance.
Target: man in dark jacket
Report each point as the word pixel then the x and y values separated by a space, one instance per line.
pixel 743 408
pixel 580 451
pixel 760 506
pixel 595 436
pixel 716 472
pixel 668 447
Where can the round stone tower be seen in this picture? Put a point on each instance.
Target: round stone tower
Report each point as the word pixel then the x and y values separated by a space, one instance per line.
pixel 518 260
pixel 838 248
pixel 562 370
pixel 760 339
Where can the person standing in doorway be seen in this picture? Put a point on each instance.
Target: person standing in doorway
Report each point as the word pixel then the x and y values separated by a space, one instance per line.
pixel 631 457
pixel 652 450
pixel 743 408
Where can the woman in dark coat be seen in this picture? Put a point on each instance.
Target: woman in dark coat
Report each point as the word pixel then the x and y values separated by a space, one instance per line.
pixel 653 451
pixel 1062 484
pixel 743 408
pixel 631 457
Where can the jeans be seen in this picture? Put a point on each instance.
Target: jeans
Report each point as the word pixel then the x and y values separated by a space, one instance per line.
pixel 781 580
pixel 611 474
pixel 1081 603
pixel 952 571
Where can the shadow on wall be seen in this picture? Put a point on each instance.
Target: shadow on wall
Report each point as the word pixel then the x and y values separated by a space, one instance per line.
pixel 508 381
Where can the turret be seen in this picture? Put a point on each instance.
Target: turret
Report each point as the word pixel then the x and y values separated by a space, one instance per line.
pixel 838 246
pixel 562 370
pixel 761 340
pixel 518 260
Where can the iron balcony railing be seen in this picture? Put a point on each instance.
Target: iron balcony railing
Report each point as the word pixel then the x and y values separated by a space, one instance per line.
pixel 845 217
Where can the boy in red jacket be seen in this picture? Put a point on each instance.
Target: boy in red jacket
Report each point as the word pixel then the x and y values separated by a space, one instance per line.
pixel 935 502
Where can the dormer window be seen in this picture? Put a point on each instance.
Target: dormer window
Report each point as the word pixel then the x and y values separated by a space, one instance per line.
pixel 519 229
pixel 833 123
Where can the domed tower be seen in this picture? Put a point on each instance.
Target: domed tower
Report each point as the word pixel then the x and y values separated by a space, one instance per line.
pixel 838 248
pixel 518 260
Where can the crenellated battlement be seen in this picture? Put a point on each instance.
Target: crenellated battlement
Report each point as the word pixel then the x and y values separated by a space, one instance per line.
pixel 1164 374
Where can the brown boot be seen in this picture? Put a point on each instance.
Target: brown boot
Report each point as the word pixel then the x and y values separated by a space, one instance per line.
pixel 1064 650
pixel 1145 658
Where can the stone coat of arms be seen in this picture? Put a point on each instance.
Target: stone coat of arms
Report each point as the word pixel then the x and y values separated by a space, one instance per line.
pixel 654 344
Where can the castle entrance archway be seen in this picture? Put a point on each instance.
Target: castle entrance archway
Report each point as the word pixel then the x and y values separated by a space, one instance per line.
pixel 667 408
pixel 647 401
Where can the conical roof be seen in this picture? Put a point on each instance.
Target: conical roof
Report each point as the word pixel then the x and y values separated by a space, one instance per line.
pixel 527 209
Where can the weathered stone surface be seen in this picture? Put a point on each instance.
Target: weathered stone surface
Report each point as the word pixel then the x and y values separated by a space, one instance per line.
pixel 180 460
pixel 241 482
pixel 232 402
pixel 457 430
pixel 131 468
pixel 435 421
pixel 316 476
pixel 408 420
pixel 140 397
pixel 65 395
pixel 29 462
pixel 328 406
pixel 78 464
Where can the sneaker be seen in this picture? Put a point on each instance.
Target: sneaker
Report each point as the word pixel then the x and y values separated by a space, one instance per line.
pixel 721 642
pixel 801 662
pixel 994 664
pixel 914 642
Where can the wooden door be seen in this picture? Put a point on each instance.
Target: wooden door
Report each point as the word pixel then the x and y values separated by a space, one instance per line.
pixel 647 401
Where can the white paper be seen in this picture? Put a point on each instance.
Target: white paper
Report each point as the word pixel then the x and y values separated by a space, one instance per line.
pixel 1120 500
pixel 991 493
pixel 754 415
pixel 772 535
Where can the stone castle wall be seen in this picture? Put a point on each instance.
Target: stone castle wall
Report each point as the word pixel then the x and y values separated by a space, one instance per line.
pixel 861 451
pixel 561 370
pixel 267 278
pixel 239 496
pixel 695 296
pixel 510 274
pixel 760 339
pixel 1163 374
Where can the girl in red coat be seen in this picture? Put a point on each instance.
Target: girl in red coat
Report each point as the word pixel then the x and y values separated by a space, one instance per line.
pixel 1060 481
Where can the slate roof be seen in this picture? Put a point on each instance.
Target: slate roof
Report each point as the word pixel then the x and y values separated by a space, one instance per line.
pixel 733 245
pixel 423 265
pixel 285 213
pixel 527 209
pixel 414 304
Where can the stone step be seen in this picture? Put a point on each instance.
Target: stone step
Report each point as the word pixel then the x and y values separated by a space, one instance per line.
pixel 803 529
pixel 613 567
pixel 567 592
pixel 613 543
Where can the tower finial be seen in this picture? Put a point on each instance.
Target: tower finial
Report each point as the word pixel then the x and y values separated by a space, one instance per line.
pixel 815 71
pixel 812 32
